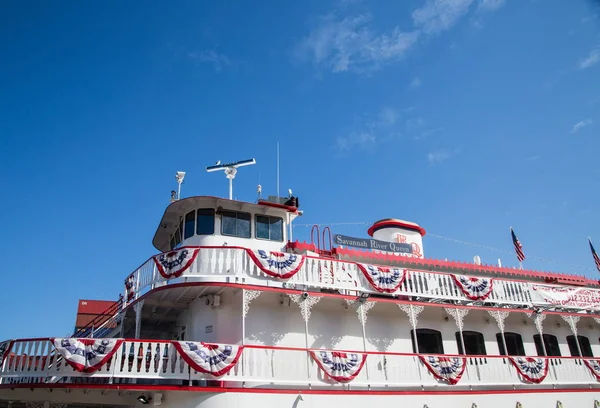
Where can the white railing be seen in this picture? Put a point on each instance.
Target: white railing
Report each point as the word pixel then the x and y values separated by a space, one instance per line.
pixel 35 361
pixel 233 264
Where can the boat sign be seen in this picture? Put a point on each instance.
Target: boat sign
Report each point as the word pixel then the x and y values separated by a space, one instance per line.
pixel 369 243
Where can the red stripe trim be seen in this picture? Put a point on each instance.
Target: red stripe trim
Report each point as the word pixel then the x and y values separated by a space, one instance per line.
pixel 141 387
pixel 339 296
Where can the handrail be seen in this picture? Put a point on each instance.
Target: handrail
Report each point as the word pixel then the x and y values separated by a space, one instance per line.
pixel 312 241
pixel 368 352
pixel 105 316
pixel 157 361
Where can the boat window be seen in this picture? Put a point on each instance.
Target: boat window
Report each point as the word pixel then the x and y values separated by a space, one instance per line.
pixel 236 224
pixel 177 237
pixel 270 228
pixel 190 219
pixel 550 343
pixel 430 341
pixel 172 242
pixel 514 344
pixel 205 221
pixel 584 344
pixel 474 343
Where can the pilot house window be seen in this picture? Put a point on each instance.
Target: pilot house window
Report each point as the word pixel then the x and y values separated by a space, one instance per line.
pixel 205 221
pixel 270 228
pixel 236 224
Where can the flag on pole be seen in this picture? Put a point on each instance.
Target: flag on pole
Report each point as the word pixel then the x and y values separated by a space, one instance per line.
pixel 518 246
pixel 595 255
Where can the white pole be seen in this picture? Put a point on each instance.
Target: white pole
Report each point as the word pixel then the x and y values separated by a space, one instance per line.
pixel 178 191
pixel 277 169
pixel 231 188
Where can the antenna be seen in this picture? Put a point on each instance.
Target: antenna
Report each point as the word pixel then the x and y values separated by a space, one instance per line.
pixel 277 169
pixel 230 171
pixel 180 175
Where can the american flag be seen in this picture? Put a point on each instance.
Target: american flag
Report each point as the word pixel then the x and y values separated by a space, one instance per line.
pixel 518 246
pixel 595 255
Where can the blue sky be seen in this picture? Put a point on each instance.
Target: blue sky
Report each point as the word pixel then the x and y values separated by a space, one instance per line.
pixel 465 116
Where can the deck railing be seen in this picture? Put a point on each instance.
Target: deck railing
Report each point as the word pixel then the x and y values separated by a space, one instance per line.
pixel 234 265
pixel 157 362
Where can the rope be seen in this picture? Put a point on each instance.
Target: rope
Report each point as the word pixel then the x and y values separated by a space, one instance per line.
pixel 458 241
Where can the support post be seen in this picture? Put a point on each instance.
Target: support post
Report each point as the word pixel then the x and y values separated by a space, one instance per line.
pixel 572 321
pixel 412 312
pixel 538 318
pixel 459 316
pixel 500 317
pixel 247 297
pixel 305 302
pixel 137 308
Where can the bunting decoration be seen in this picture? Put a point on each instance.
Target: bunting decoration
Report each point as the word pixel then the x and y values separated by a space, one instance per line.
pixel 474 288
pixel 173 263
pixel 277 264
pixel 593 365
pixel 385 280
pixel 5 347
pixel 86 355
pixel 341 367
pixel 129 287
pixel 533 369
pixel 449 369
pixel 209 358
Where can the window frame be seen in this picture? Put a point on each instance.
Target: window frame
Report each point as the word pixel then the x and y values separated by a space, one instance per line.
pixel 185 224
pixel 550 342
pixel 414 335
pixel 574 351
pixel 470 333
pixel 236 218
pixel 269 217
pixel 504 352
pixel 213 214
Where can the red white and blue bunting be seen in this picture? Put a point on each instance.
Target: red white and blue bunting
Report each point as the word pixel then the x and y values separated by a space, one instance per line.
pixel 532 369
pixel 86 355
pixel 593 365
pixel 449 369
pixel 130 287
pixel 341 367
pixel 474 288
pixel 173 263
pixel 277 264
pixel 5 347
pixel 386 280
pixel 214 359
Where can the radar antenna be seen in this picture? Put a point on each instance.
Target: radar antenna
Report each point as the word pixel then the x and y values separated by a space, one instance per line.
pixel 230 171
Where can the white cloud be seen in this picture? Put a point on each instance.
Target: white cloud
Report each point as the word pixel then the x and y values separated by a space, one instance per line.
pixel 387 117
pixel 439 156
pixel 218 61
pixel 416 82
pixel 591 60
pixel 370 132
pixel 580 125
pixel 490 5
pixel 440 15
pixel 350 44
